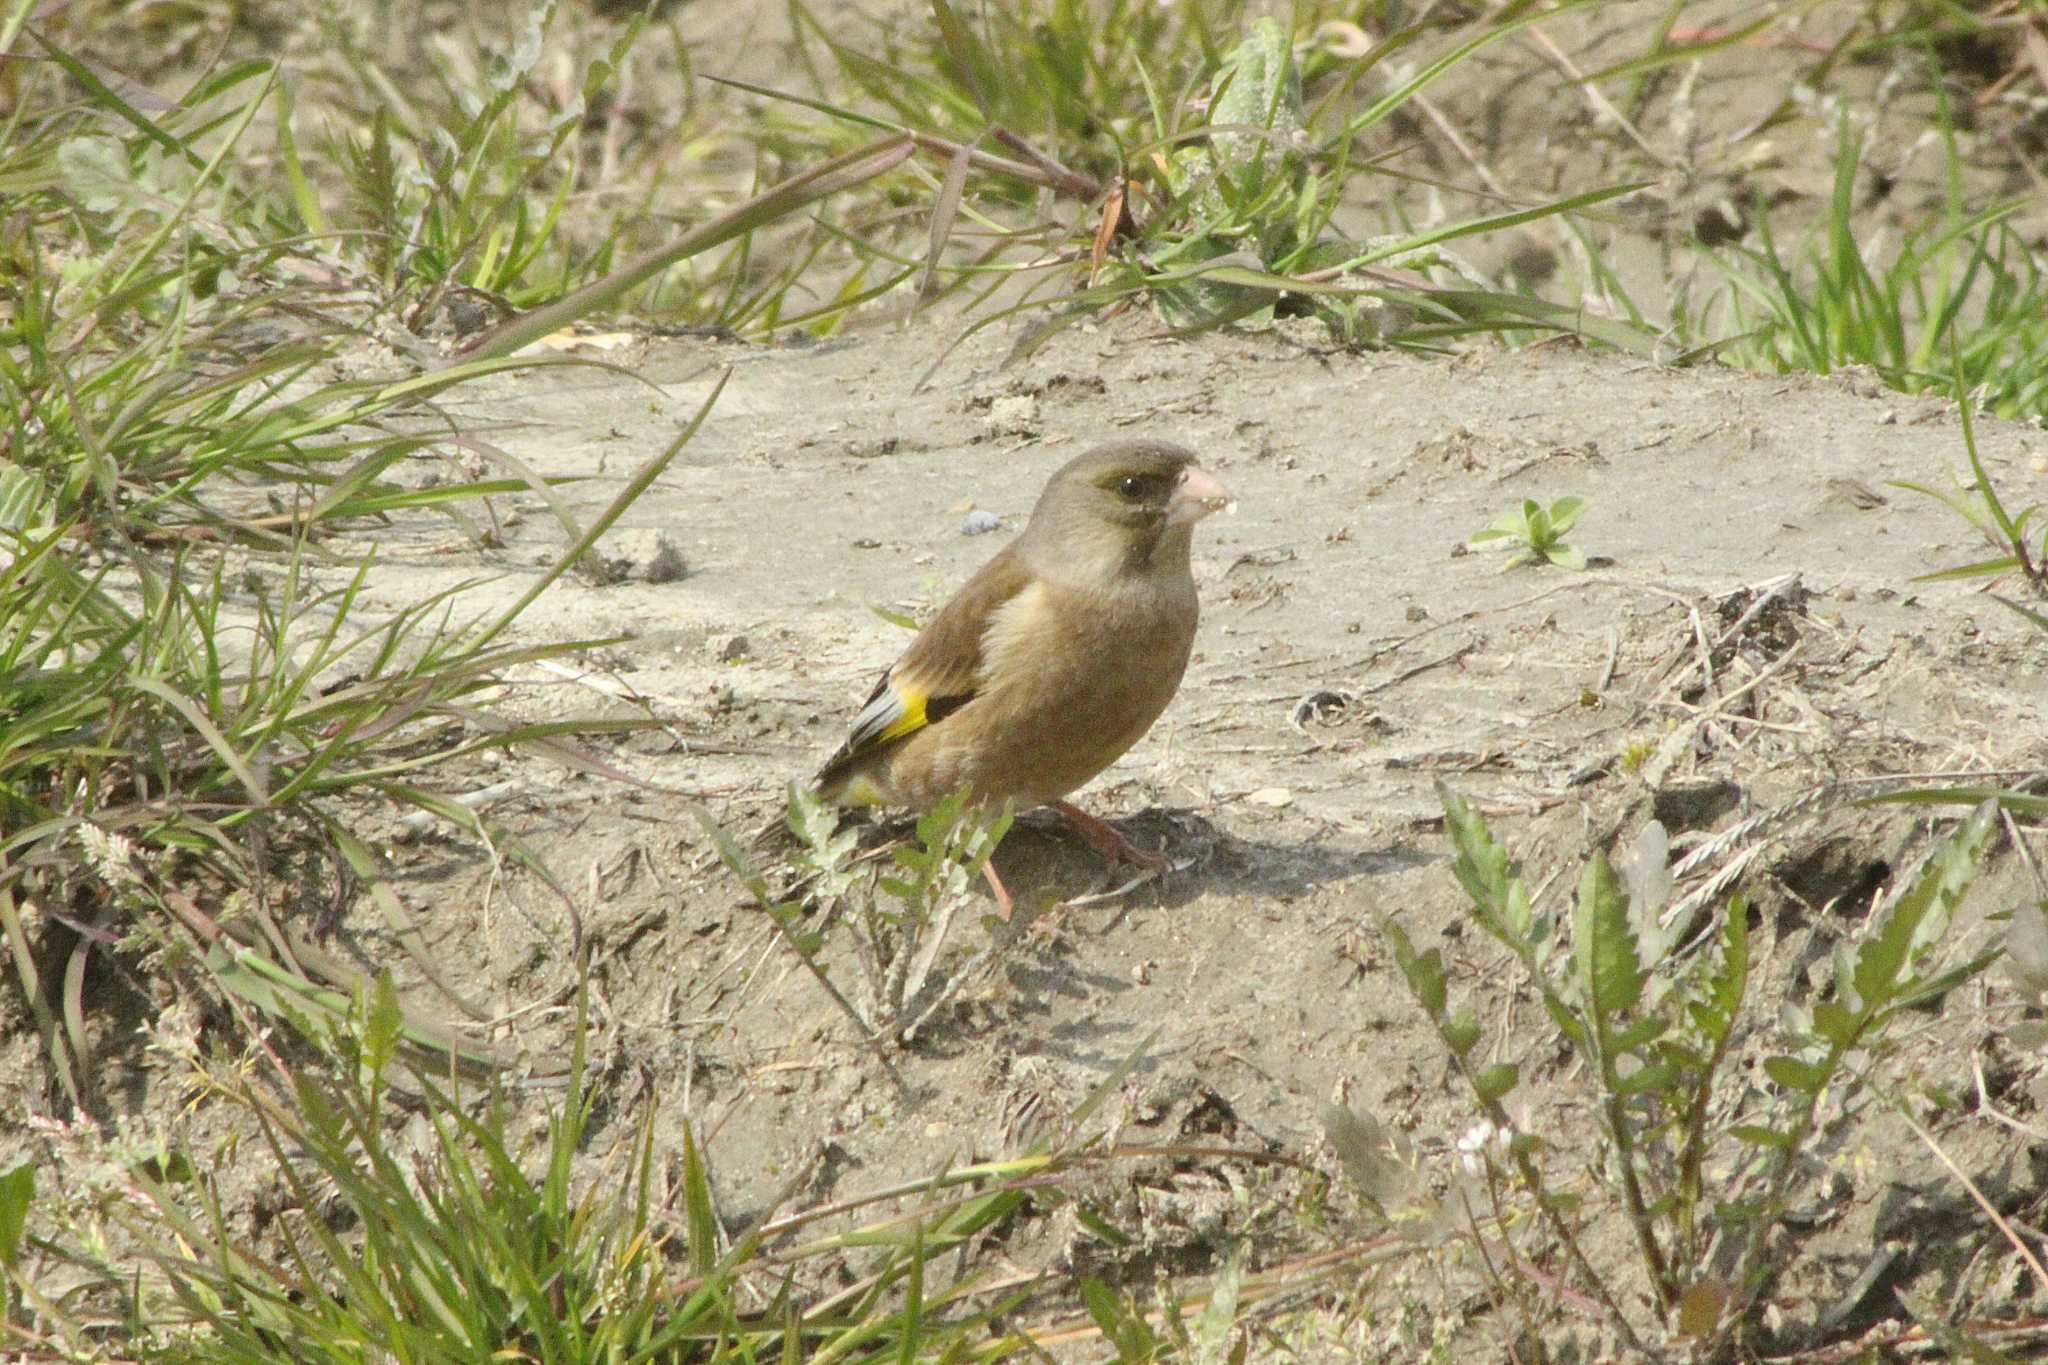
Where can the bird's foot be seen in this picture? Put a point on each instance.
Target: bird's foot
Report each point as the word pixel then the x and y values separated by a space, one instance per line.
pixel 1102 837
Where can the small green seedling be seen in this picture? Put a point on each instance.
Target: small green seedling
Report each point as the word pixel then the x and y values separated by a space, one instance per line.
pixel 1538 533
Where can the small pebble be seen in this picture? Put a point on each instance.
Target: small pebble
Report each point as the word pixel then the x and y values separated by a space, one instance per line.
pixel 980 523
pixel 727 648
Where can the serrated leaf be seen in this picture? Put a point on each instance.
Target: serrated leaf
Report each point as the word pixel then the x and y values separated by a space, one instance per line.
pixel 1727 980
pixel 1461 1032
pixel 1483 869
pixel 1922 914
pixel 1646 871
pixel 1603 948
pixel 1681 1055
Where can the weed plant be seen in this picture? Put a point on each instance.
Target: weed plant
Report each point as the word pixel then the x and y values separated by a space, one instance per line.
pixel 1659 1011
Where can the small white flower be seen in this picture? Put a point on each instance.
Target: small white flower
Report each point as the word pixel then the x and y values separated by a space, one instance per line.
pixel 1474 1146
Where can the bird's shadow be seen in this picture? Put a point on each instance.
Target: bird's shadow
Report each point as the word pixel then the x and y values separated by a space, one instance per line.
pixel 1054 875
pixel 1066 892
pixel 1045 865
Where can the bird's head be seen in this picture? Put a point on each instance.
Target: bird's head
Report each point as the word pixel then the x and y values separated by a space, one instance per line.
pixel 1124 505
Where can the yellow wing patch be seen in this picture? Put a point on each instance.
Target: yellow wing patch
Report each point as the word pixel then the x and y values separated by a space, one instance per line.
pixel 913 717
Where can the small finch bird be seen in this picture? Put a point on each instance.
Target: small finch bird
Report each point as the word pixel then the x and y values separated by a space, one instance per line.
pixel 1053 659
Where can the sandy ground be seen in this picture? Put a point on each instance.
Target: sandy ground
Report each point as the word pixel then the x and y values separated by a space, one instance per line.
pixel 1352 654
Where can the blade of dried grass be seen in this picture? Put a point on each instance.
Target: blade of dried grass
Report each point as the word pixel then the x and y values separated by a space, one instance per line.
pixel 944 210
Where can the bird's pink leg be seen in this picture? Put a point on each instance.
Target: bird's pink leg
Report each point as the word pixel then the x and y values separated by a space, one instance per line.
pixel 1004 904
pixel 1106 841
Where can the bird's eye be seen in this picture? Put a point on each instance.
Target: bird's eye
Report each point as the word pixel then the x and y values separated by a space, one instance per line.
pixel 1130 485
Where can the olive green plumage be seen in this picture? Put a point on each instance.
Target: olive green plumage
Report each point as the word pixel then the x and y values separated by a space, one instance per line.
pixel 1056 657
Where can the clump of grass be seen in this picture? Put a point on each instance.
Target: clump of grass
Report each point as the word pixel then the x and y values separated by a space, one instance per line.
pixel 1979 502
pixel 1197 178
pixel 1835 301
pixel 444 185
pixel 193 702
pixel 1659 1007
pixel 444 1239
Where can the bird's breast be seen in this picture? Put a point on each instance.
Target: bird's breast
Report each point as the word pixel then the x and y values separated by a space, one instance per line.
pixel 1072 679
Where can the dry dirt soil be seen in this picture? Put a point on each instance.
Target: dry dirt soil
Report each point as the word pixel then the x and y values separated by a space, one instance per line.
pixel 1352 655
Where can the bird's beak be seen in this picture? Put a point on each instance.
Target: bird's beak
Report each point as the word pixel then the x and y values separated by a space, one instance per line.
pixel 1195 495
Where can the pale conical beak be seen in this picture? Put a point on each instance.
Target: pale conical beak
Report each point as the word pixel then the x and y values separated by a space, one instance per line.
pixel 1195 495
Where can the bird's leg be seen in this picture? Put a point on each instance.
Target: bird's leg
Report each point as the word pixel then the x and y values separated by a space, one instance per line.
pixel 1004 904
pixel 1101 837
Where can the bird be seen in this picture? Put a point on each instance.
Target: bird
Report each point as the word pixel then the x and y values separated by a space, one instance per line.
pixel 1052 660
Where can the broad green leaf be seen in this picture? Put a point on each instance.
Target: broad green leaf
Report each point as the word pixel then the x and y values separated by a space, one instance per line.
pixel 1640 1034
pixel 1564 514
pixel 1461 1032
pixel 1566 556
pixel 1655 1078
pixel 1805 1077
pixel 1424 971
pixel 1836 1023
pixel 1496 1081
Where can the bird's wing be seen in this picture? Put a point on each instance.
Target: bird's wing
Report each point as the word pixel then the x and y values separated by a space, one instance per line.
pixel 940 672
